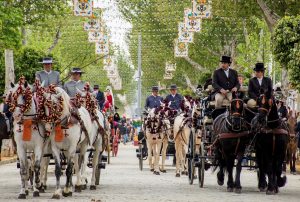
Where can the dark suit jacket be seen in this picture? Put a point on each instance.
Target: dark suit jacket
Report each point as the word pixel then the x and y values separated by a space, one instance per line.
pixel 175 101
pixel 254 89
pixel 220 80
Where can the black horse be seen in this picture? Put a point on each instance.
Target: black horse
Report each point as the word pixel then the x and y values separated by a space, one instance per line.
pixel 5 133
pixel 232 137
pixel 270 145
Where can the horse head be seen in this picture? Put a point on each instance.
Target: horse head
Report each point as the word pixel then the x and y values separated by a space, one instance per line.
pixel 236 113
pixel 264 107
pixel 20 100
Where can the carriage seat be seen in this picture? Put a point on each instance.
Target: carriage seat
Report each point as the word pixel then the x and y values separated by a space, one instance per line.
pixel 225 103
pixel 209 89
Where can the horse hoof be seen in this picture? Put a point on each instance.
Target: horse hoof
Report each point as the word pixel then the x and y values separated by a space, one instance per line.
pixel 195 177
pixel 41 189
pixel 93 187
pixel 156 173
pixel 56 196
pixel 262 189
pixel 36 194
pixel 84 187
pixel 78 188
pixel 152 170
pixel 238 190
pixel 229 189
pixel 177 175
pixel 22 196
pixel 26 192
pixel 163 171
pixel 270 192
pixel 220 182
pixel 65 194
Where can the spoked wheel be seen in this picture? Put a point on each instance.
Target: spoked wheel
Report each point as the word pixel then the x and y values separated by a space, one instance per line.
pixel 98 171
pixel 141 156
pixel 191 158
pixel 201 167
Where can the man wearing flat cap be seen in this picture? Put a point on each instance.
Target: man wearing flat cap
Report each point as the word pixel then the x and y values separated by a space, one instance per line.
pixel 174 97
pixel 259 84
pixel 154 100
pixel 225 81
pixel 71 86
pixel 99 96
pixel 48 76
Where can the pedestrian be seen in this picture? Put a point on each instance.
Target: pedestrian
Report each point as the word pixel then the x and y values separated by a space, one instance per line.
pixel 109 99
pixel 48 76
pixel 76 83
pixel 225 81
pixel 297 131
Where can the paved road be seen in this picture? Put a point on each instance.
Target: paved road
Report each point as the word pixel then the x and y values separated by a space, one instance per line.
pixel 122 181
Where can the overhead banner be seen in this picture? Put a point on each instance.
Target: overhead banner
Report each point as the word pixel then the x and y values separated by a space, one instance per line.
pixel 202 8
pixel 92 25
pixel 170 67
pixel 183 35
pixel 83 8
pixel 102 48
pixel 191 23
pixel 181 49
pixel 168 75
pixel 97 37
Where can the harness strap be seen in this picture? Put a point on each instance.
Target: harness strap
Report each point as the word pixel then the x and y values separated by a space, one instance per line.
pixel 237 146
pixel 233 135
pixel 277 131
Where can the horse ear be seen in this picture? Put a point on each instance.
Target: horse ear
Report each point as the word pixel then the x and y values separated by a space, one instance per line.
pixel 12 85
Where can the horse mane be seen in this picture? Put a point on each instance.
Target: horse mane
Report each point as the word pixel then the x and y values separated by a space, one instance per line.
pixel 66 98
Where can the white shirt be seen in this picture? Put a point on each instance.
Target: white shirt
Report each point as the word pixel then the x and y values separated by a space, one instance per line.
pixel 227 72
pixel 260 81
pixel 48 72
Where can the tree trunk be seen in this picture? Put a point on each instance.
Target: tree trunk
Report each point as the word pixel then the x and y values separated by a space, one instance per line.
pixel 55 42
pixel 270 17
pixel 195 64
pixel 189 83
pixel 284 80
pixel 9 68
pixel 24 35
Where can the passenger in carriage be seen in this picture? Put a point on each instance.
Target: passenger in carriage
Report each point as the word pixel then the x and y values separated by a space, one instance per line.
pixel 154 100
pixel 71 86
pixel 174 97
pixel 259 84
pixel 225 81
pixel 48 76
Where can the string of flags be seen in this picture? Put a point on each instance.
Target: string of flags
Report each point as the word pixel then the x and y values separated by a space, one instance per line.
pixel 97 34
pixel 201 9
pixel 169 69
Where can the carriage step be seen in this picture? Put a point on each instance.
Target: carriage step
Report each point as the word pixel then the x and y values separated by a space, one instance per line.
pixel 101 165
pixel 90 150
pixel 48 155
pixel 138 155
pixel 104 158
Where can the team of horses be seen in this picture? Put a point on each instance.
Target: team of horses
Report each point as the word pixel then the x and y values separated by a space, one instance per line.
pixel 47 121
pixel 237 131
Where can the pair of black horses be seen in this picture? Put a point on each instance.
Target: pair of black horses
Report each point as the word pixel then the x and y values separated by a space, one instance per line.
pixel 241 128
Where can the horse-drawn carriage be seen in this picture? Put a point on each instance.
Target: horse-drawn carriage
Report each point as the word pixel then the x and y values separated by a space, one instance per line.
pixel 227 136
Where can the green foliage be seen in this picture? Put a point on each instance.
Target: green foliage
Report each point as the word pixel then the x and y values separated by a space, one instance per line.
pixel 287 48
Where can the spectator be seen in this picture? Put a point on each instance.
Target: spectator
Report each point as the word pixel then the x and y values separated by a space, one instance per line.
pixel 282 110
pixel 99 96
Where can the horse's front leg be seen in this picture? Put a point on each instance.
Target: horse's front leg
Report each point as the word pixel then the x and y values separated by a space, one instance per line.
pixel 164 155
pixel 149 146
pixel 238 170
pixel 56 155
pixel 98 149
pixel 68 189
pixel 156 155
pixel 230 164
pixel 37 168
pixel 23 171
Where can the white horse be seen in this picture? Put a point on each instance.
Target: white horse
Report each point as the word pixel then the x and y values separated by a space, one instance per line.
pixel 98 134
pixel 157 132
pixel 76 136
pixel 20 99
pixel 182 132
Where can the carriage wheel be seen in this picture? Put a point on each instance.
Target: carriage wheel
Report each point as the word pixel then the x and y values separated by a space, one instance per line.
pixel 191 158
pixel 201 167
pixel 98 171
pixel 141 156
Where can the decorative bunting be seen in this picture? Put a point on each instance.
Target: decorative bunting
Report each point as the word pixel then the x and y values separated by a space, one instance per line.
pixel 183 35
pixel 181 49
pixel 202 8
pixel 83 8
pixel 97 37
pixel 191 22
pixel 92 25
pixel 168 75
pixel 102 48
pixel 170 67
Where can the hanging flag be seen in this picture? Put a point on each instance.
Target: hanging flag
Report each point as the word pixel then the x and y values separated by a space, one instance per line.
pixel 92 25
pixel 181 49
pixel 97 36
pixel 170 67
pixel 168 75
pixel 83 8
pixel 202 8
pixel 112 74
pixel 102 48
pixel 183 35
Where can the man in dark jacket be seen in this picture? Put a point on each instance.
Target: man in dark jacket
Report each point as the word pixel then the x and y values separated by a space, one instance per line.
pixel 174 97
pixel 225 81
pixel 154 100
pixel 259 84
pixel 99 96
